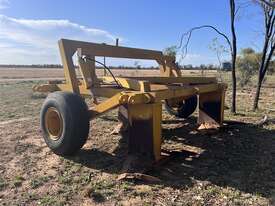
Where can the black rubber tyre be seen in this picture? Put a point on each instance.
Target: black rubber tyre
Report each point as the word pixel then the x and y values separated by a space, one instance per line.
pixel 64 122
pixel 184 108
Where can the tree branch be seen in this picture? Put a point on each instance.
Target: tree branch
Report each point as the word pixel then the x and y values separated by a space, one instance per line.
pixel 189 34
pixel 272 21
pixel 267 3
pixel 268 60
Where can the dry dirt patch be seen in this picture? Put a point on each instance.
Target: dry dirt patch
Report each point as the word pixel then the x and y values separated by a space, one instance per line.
pixel 227 168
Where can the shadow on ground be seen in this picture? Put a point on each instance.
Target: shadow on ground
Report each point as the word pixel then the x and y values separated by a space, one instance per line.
pixel 241 156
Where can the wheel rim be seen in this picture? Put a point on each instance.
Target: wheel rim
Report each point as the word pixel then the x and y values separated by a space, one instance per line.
pixel 53 123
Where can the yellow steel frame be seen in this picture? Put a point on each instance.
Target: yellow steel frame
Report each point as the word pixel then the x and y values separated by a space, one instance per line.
pixel 144 122
pixel 142 91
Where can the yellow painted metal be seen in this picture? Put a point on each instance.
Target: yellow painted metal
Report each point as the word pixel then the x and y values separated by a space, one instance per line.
pixel 218 98
pixel 108 104
pixel 94 49
pixel 45 88
pixel 53 123
pixel 88 72
pixel 168 67
pixel 192 80
pixel 222 99
pixel 157 136
pixel 69 47
pixel 158 94
pixel 119 99
pixel 155 87
pixel 222 90
pixel 141 96
pixel 149 134
pixel 128 83
pixel 207 88
pixel 68 66
pixel 172 93
pixel 102 91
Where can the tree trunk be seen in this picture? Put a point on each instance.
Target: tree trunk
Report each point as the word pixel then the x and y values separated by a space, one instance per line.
pixel 260 76
pixel 266 53
pixel 262 71
pixel 257 95
pixel 234 55
pixel 234 85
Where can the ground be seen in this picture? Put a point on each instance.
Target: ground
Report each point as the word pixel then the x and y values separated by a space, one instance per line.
pixel 232 167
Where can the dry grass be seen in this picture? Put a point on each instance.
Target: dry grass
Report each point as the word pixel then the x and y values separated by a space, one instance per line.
pixel 34 73
pixel 234 167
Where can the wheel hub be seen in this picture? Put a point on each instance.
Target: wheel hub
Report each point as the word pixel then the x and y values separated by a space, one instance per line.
pixel 54 123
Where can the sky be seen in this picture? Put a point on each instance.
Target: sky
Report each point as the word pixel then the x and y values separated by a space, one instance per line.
pixel 30 29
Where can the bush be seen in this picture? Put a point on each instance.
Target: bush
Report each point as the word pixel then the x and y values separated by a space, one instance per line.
pixel 248 64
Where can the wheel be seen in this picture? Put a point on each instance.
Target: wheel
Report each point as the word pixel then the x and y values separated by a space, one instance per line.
pixel 181 108
pixel 64 121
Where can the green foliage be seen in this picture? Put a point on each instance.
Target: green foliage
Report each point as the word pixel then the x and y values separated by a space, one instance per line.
pixel 39 181
pixel 247 63
pixel 219 49
pixel 171 51
pixel 50 200
pixel 247 51
pixel 3 183
pixel 18 180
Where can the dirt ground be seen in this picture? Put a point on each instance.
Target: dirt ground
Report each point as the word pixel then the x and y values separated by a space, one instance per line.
pixel 232 167
pixel 38 73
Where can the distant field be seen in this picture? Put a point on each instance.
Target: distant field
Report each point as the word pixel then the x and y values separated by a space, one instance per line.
pixel 30 73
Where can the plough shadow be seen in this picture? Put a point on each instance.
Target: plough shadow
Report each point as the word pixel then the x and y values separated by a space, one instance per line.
pixel 240 156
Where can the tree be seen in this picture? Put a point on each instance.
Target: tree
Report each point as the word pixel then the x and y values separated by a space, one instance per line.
pixel 231 43
pixel 271 69
pixel 233 54
pixel 219 49
pixel 268 48
pixel 268 3
pixel 170 51
pixel 247 63
pixel 137 65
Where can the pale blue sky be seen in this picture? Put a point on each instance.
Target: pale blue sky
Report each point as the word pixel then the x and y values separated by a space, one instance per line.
pixel 29 29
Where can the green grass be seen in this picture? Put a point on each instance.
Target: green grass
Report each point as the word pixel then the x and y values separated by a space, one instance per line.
pixel 19 100
pixel 3 183
pixel 50 200
pixel 17 181
pixel 39 181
